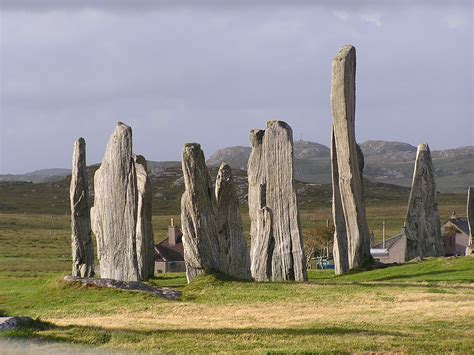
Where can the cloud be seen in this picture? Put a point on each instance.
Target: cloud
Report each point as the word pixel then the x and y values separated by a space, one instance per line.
pixel 341 15
pixel 458 21
pixel 181 73
pixel 372 17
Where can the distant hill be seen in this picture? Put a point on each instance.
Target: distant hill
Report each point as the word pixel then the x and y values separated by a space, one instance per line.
pixel 387 162
pixel 37 176
pixel 168 186
pixel 237 157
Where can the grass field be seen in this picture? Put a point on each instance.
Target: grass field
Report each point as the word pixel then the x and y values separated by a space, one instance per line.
pixel 424 307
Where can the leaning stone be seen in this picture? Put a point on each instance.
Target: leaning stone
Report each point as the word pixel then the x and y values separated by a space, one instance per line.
pixel 351 229
pixel 234 258
pixel 114 215
pixel 145 240
pixel 198 215
pixel 470 220
pixel 81 241
pixel 130 286
pixel 277 245
pixel 423 226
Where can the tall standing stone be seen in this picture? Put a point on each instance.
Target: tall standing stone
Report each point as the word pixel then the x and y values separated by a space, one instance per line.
pixel 470 220
pixel 351 235
pixel 81 241
pixel 145 241
pixel 277 246
pixel 116 211
pixel 198 215
pixel 234 255
pixel 340 249
pixel 423 227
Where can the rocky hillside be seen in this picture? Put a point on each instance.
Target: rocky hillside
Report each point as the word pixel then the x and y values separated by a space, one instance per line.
pixel 389 162
pixel 237 157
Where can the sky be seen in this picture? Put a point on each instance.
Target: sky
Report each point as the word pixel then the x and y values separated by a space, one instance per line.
pixel 209 71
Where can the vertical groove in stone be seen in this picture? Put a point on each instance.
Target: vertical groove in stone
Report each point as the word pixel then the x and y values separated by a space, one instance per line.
pixel 145 240
pixel 470 220
pixel 81 241
pixel 341 260
pixel 423 226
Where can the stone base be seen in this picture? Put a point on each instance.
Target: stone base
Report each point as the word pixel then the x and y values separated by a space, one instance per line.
pixel 130 286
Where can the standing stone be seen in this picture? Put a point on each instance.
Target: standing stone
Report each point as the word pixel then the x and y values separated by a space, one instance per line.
pixel 198 215
pixel 234 255
pixel 277 246
pixel 115 211
pixel 81 241
pixel 470 220
pixel 340 249
pixel 145 241
pixel 423 227
pixel 351 229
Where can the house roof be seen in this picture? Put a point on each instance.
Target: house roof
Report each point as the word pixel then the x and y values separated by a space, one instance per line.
pixel 460 223
pixel 389 243
pixel 166 252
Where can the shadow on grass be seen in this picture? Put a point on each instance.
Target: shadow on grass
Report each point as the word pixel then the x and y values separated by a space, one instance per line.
pixel 91 335
pixel 414 284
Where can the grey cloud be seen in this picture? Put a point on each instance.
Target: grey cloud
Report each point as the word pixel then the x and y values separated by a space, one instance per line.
pixel 180 73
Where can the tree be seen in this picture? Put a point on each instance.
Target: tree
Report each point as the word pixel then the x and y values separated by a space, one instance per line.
pixel 318 241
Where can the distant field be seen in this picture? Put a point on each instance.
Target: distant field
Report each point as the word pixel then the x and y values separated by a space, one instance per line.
pixel 41 242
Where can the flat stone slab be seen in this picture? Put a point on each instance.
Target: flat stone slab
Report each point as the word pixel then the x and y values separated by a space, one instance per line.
pixel 9 323
pixel 131 286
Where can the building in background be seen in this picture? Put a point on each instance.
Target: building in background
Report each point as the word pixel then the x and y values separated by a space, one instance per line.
pixel 392 250
pixel 455 233
pixel 169 253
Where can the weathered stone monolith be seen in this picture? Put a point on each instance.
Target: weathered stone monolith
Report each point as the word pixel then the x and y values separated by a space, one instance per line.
pixel 470 220
pixel 423 227
pixel 198 215
pixel 81 241
pixel 351 229
pixel 277 245
pixel 145 241
pixel 340 249
pixel 115 211
pixel 234 255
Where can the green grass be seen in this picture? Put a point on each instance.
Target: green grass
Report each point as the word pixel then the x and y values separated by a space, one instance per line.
pixel 421 307
pixel 401 308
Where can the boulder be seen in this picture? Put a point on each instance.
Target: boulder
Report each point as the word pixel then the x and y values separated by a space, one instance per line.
pixel 234 258
pixel 198 215
pixel 423 226
pixel 130 286
pixel 351 235
pixel 277 245
pixel 81 241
